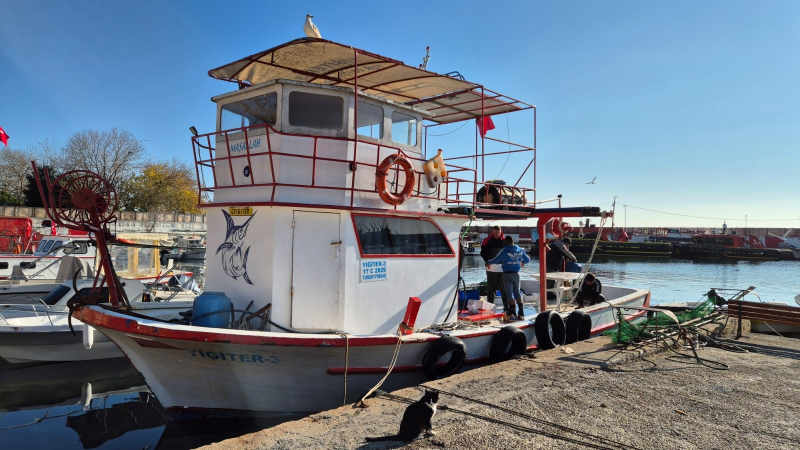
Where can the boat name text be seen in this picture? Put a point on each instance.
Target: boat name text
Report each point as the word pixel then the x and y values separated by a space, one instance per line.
pixel 242 146
pixel 240 210
pixel 236 357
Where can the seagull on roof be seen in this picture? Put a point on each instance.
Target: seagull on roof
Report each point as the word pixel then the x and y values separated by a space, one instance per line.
pixel 310 29
pixel 592 182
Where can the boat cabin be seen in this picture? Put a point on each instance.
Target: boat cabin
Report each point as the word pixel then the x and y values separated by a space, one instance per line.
pixel 58 246
pixel 322 198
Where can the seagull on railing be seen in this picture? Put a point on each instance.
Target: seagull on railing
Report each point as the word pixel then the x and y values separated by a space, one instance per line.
pixel 592 182
pixel 310 29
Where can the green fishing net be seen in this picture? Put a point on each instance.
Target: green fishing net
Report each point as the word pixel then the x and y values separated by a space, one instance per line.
pixel 641 327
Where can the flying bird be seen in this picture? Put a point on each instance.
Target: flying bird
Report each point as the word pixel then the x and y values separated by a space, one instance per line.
pixel 234 262
pixel 592 182
pixel 310 29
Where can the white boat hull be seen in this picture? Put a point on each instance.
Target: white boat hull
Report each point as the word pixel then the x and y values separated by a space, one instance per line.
pixel 210 371
pixel 38 337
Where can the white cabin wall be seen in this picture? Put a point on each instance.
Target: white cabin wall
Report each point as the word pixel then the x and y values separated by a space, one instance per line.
pixel 433 280
pixel 260 262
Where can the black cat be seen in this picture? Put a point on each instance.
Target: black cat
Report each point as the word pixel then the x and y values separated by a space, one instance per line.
pixel 416 419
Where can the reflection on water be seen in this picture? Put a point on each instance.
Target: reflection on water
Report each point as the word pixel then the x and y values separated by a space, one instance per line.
pixel 678 279
pixel 99 404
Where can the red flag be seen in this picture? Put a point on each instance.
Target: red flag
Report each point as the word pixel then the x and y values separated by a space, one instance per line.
pixel 53 229
pixel 4 136
pixel 484 124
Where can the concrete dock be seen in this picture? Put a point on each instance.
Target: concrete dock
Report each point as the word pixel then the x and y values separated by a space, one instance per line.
pixel 593 395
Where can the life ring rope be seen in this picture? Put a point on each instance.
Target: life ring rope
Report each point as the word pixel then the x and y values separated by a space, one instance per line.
pixel 382 173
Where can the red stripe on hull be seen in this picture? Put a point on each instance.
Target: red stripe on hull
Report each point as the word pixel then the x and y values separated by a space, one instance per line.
pixel 130 325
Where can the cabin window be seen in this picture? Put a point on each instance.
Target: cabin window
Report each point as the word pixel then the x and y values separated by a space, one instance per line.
pixel 76 248
pixel 55 295
pixel 382 235
pixel 46 245
pixel 250 111
pixel 370 120
pixel 3 265
pixel 27 265
pixel 323 112
pixel 404 128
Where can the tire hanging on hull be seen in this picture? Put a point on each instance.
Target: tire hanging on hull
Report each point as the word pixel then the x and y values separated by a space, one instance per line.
pixel 439 349
pixel 578 327
pixel 545 322
pixel 509 341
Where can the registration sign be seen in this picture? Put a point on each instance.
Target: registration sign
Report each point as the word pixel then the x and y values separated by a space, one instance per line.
pixel 373 270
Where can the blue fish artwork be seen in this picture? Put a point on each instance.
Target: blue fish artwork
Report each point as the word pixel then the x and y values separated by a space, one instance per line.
pixel 234 262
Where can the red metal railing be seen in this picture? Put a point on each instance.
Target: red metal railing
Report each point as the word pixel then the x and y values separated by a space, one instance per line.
pixel 462 185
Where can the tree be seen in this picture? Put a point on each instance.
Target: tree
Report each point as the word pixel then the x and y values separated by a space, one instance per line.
pixel 31 191
pixel 163 187
pixel 15 165
pixel 113 154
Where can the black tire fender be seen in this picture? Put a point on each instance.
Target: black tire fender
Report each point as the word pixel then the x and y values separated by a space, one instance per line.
pixel 546 321
pixel 507 342
pixel 578 327
pixel 439 349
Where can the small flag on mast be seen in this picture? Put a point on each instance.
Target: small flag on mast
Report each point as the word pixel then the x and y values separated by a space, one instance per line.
pixel 3 136
pixel 484 124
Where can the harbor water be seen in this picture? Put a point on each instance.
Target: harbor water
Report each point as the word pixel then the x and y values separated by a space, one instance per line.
pixel 678 280
pixel 106 404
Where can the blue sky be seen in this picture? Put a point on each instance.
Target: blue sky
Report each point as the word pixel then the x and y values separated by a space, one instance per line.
pixel 682 107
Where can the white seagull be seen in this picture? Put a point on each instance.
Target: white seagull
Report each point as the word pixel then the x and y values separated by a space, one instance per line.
pixel 592 182
pixel 311 29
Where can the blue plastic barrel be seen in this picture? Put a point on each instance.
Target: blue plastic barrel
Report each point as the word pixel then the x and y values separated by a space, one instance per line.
pixel 211 309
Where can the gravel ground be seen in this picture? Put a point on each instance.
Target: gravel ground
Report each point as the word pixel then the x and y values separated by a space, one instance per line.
pixel 597 397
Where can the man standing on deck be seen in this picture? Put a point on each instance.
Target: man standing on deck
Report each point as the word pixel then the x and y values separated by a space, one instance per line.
pixel 490 248
pixel 557 251
pixel 513 259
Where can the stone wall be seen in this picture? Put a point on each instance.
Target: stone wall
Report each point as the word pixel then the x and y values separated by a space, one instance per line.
pixel 126 220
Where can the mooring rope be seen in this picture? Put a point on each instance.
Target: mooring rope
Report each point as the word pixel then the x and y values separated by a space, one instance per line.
pixel 346 361
pixel 391 365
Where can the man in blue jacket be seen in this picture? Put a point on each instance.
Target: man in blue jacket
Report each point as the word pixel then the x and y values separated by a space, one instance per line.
pixel 513 259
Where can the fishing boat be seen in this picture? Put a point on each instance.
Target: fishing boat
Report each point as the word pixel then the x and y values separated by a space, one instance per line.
pixel 729 247
pixel 334 235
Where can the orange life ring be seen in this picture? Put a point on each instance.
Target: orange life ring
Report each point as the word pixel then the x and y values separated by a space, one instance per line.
pixel 555 228
pixel 383 172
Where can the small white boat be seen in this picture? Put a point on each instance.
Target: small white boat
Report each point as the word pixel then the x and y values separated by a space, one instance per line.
pixel 44 263
pixel 39 331
pixel 26 291
pixel 471 247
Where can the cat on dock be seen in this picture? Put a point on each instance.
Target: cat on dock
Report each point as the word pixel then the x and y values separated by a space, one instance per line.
pixel 416 419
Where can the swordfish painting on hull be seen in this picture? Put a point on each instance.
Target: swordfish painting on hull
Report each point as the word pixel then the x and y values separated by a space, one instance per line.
pixel 234 262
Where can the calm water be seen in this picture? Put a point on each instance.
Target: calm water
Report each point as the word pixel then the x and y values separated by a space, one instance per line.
pixel 47 406
pixel 680 280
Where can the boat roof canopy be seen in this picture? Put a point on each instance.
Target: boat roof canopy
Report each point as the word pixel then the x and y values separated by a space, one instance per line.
pixel 319 61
